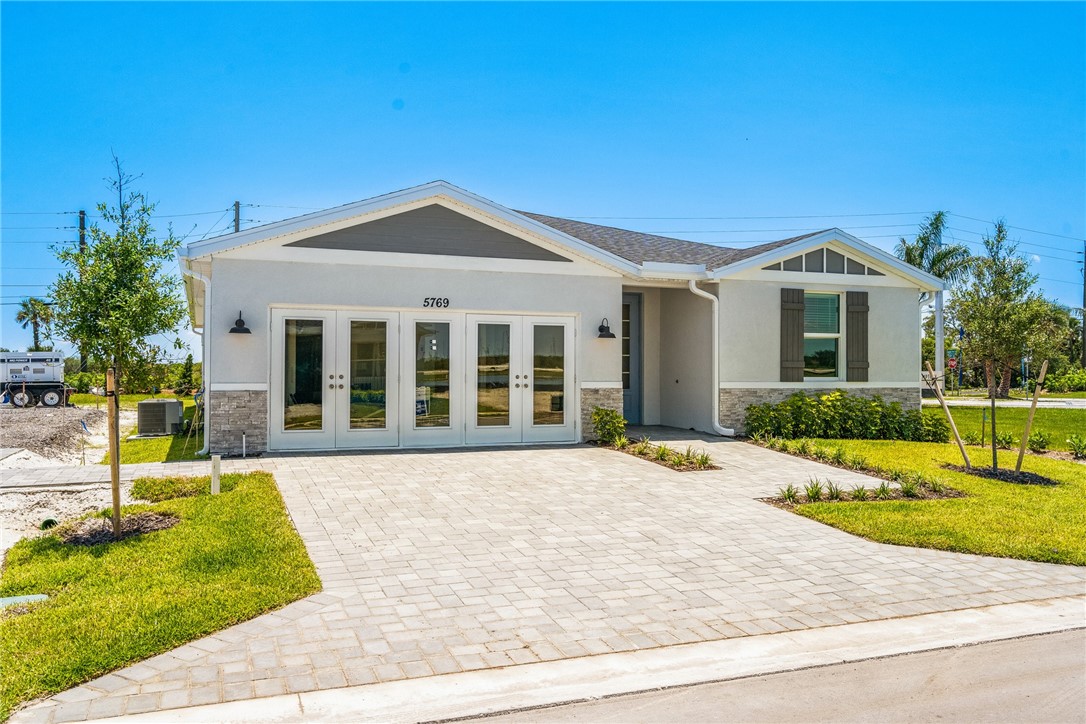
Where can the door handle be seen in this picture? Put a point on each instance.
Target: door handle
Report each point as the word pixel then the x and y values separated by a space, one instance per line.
pixel 331 387
pixel 517 385
pixel 331 377
pixel 341 387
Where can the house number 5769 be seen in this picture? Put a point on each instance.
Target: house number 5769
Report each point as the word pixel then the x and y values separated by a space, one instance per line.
pixel 435 302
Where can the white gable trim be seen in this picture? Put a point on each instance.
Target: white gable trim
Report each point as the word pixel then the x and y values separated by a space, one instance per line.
pixel 840 240
pixel 452 197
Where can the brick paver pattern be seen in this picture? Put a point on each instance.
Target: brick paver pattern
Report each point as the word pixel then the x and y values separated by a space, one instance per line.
pixel 440 562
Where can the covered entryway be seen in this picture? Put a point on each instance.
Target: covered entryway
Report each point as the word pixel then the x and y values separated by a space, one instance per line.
pixel 357 379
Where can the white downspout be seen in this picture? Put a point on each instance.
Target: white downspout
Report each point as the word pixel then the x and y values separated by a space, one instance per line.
pixel 926 299
pixel 725 431
pixel 206 348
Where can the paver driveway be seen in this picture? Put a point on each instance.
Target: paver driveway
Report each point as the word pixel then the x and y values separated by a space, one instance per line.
pixel 438 562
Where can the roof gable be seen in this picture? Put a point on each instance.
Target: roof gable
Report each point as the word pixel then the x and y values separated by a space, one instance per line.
pixel 430 229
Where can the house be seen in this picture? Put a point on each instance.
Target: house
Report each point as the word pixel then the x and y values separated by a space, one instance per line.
pixel 434 317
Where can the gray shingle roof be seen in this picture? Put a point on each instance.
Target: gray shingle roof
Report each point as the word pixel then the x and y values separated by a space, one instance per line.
pixel 639 247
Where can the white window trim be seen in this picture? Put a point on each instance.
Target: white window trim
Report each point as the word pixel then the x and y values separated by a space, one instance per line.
pixel 839 336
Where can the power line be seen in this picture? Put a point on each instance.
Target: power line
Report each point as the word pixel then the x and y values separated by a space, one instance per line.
pixel 1019 228
pixel 747 218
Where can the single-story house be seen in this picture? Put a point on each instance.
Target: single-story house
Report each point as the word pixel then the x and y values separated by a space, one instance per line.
pixel 434 317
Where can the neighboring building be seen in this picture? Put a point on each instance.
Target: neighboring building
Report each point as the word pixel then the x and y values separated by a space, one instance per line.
pixel 434 317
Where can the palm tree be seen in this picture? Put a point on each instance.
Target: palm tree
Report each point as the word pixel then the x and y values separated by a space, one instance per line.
pixel 949 262
pixel 37 314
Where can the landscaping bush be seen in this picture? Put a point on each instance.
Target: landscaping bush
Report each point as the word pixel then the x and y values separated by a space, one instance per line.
pixel 608 424
pixel 1038 441
pixel 1070 380
pixel 1078 446
pixel 83 381
pixel 839 415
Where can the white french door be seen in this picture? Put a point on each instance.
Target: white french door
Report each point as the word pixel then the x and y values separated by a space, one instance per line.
pixel 432 345
pixel 520 378
pixel 333 380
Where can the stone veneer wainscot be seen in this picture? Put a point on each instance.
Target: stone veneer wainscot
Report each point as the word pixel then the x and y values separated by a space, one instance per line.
pixel 735 401
pixel 234 412
pixel 593 397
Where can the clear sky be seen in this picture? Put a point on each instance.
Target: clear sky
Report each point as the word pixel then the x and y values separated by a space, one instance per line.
pixel 862 116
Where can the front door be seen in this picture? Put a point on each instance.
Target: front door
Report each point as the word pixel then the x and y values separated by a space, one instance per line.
pixel 631 358
pixel 334 380
pixel 520 379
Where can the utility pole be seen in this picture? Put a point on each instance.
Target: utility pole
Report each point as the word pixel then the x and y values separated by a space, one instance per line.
pixel 237 216
pixel 82 253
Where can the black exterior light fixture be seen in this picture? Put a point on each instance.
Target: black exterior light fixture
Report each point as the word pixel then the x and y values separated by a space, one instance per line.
pixel 605 330
pixel 239 326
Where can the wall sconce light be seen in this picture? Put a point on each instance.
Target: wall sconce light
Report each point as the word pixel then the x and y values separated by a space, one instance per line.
pixel 605 330
pixel 239 326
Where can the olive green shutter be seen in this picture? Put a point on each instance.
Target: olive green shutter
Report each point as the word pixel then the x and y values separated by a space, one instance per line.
pixel 856 363
pixel 791 335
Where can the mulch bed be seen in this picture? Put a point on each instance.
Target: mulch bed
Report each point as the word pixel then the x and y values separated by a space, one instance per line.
pixel 669 463
pixel 1006 476
pixel 94 531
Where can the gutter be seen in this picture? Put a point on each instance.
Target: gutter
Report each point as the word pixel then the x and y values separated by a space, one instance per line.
pixel 724 431
pixel 188 271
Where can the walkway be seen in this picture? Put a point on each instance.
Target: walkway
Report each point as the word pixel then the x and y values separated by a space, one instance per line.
pixel 455 561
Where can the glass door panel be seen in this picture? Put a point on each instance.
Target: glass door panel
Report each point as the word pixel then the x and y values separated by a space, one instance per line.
pixel 369 375
pixel 433 380
pixel 303 372
pixel 492 385
pixel 548 375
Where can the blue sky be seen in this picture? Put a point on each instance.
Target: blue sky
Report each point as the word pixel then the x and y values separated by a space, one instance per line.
pixel 862 116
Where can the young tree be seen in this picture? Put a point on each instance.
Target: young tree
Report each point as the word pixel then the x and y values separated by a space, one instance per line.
pixel 38 315
pixel 1004 318
pixel 115 295
pixel 185 377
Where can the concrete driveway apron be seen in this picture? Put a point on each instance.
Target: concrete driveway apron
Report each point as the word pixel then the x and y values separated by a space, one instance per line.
pixel 442 562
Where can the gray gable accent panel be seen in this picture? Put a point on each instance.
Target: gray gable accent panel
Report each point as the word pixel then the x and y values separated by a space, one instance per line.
pixel 432 229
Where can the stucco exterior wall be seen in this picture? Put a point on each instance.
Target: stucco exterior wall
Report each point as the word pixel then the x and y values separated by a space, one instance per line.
pixel 750 335
pixel 685 360
pixel 650 362
pixel 253 286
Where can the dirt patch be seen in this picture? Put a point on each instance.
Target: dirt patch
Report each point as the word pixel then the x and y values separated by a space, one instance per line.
pixel 23 510
pixel 55 435
pixel 95 531
pixel 1006 476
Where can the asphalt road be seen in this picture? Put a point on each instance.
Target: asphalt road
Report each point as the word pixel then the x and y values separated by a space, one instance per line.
pixel 1035 679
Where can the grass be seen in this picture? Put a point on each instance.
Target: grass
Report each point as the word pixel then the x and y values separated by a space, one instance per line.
pixel 232 557
pixel 166 449
pixel 128 402
pixel 1058 423
pixel 1030 522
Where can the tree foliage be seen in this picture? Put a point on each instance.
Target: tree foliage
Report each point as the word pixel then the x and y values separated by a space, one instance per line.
pixel 949 262
pixel 114 296
pixel 1004 318
pixel 38 315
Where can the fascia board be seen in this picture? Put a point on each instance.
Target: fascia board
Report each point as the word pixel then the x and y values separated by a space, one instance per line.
pixel 845 240
pixel 435 189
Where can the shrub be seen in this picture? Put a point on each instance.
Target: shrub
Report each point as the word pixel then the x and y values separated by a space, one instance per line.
pixel 834 492
pixel 884 491
pixel 1077 444
pixel 813 489
pixel 972 438
pixel 790 494
pixel 703 460
pixel 857 462
pixel 1004 440
pixel 1072 379
pixel 622 442
pixel 803 447
pixel 83 381
pixel 1038 441
pixel 859 492
pixel 662 453
pixel 910 489
pixel 840 415
pixel 642 447
pixel 608 424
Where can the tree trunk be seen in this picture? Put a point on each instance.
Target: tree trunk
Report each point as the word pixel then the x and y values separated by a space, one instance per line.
pixel 990 377
pixel 1005 375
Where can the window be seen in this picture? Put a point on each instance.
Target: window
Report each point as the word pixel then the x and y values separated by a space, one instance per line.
pixel 821 335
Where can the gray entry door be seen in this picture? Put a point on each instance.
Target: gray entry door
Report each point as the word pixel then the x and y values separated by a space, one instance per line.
pixel 631 358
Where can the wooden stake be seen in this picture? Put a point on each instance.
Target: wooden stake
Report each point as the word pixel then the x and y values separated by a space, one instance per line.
pixel 950 418
pixel 113 417
pixel 1029 419
pixel 215 468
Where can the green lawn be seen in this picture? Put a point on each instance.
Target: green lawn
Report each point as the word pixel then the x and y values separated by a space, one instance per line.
pixel 232 557
pixel 1058 423
pixel 1038 523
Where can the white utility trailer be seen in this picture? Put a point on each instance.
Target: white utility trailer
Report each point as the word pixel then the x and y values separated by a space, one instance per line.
pixel 31 377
